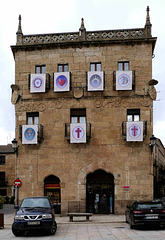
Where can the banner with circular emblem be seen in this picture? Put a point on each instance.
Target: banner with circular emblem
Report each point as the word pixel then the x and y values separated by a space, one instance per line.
pixel 135 131
pixel 37 83
pixel 29 134
pixel 96 81
pixel 77 133
pixel 123 80
pixel 61 81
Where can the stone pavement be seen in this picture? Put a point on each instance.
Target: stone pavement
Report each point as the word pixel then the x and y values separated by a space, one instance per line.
pixel 9 212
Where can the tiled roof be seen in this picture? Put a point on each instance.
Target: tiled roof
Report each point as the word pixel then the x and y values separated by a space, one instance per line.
pixel 6 149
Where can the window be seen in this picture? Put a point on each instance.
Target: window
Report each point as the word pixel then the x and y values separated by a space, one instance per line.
pixel 41 69
pixel 3 192
pixel 78 115
pixel 32 118
pixel 2 176
pixel 95 67
pixel 133 115
pixel 2 160
pixel 123 66
pixel 63 68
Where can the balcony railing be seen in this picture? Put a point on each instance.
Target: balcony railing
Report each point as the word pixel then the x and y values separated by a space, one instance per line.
pixel 88 131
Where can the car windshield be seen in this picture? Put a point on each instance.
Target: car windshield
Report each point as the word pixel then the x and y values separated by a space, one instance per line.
pixel 35 202
pixel 149 205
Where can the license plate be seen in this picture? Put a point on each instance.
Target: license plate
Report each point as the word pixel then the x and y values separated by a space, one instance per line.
pixel 151 217
pixel 34 223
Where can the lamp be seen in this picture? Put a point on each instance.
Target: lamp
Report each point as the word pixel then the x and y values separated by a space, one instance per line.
pixel 15 146
pixel 152 142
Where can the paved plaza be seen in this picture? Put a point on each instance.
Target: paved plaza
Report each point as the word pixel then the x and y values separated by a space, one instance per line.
pixel 107 227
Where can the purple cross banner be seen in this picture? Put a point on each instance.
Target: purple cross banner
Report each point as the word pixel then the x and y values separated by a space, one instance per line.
pixel 123 80
pixel 29 134
pixel 96 81
pixel 135 131
pixel 37 83
pixel 61 81
pixel 77 133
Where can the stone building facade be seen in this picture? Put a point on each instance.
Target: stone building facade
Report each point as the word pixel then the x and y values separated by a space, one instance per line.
pixel 102 81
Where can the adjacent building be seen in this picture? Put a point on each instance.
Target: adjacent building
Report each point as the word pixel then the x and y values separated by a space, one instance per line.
pixel 84 117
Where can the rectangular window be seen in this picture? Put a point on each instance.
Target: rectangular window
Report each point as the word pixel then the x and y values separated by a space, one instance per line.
pixel 2 176
pixel 78 115
pixel 40 69
pixel 95 67
pixel 133 115
pixel 63 68
pixel 2 160
pixel 123 66
pixel 32 118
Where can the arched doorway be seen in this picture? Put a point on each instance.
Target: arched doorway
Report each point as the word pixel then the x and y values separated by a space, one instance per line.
pixel 52 189
pixel 100 192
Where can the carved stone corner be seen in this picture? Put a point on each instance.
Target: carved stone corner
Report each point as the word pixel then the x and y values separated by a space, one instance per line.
pixel 152 92
pixel 78 92
pixel 15 97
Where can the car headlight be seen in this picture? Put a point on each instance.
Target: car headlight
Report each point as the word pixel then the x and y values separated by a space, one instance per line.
pixel 19 217
pixel 46 216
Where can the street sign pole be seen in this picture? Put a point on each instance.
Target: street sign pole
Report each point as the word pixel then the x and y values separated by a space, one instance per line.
pixel 17 184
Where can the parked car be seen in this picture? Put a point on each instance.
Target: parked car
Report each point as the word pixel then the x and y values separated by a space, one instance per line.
pixel 34 213
pixel 142 213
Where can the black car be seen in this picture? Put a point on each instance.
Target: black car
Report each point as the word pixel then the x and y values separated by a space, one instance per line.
pixel 147 212
pixel 34 213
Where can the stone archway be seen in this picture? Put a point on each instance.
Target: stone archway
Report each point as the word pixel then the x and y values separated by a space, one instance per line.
pixel 100 192
pixel 52 189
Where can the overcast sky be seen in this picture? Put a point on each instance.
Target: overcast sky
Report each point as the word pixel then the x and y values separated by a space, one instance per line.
pixel 54 16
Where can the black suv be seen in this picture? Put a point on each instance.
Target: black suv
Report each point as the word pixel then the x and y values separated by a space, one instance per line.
pixel 34 213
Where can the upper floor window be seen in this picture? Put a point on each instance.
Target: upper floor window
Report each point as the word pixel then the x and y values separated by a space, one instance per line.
pixel 40 69
pixel 2 160
pixel 133 115
pixel 32 118
pixel 123 66
pixel 63 68
pixel 95 67
pixel 78 115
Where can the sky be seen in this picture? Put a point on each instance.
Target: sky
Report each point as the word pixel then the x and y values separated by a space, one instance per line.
pixel 53 16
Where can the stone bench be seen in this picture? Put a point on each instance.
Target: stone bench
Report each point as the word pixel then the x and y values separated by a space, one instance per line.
pixel 71 215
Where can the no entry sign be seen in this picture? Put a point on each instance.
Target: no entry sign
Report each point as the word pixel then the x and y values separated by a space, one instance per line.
pixel 17 182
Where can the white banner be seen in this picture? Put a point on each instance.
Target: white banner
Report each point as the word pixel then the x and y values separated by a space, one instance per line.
pixel 123 80
pixel 29 134
pixel 37 83
pixel 61 81
pixel 96 81
pixel 78 132
pixel 134 131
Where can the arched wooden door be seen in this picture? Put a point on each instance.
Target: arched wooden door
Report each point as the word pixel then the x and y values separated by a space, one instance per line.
pixel 52 189
pixel 100 192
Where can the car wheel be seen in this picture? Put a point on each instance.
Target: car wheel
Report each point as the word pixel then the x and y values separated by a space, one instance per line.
pixel 16 232
pixel 53 229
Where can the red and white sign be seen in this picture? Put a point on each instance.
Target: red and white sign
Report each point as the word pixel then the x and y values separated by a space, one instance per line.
pixel 17 182
pixel 135 131
pixel 78 133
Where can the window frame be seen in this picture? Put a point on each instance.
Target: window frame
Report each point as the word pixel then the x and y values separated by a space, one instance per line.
pixel 41 68
pixel 95 67
pixel 2 160
pixel 133 114
pixel 123 66
pixel 32 115
pixel 64 67
pixel 78 114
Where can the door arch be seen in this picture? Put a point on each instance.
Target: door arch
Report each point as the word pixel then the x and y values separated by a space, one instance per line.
pixel 100 192
pixel 52 189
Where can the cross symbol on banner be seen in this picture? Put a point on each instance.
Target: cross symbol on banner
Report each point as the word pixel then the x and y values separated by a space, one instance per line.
pixel 134 131
pixel 78 131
